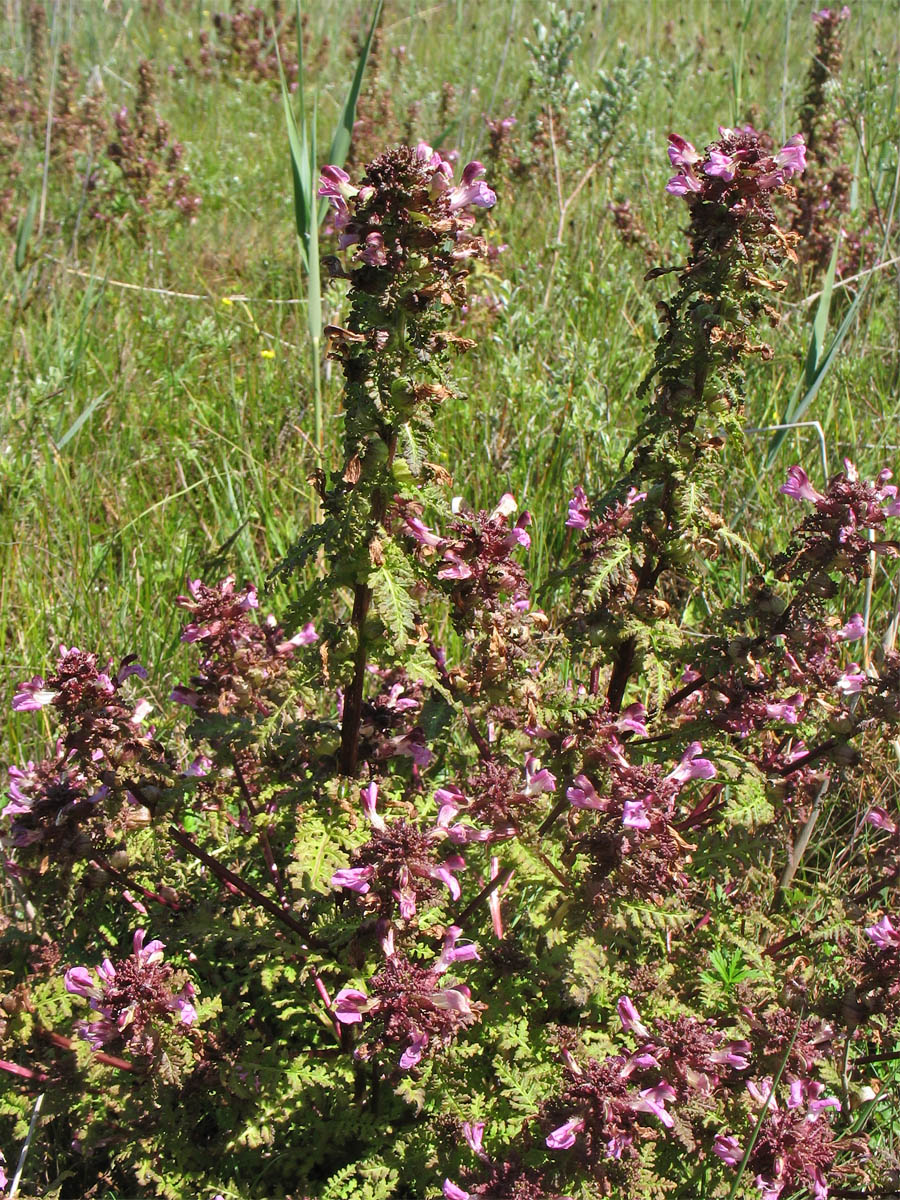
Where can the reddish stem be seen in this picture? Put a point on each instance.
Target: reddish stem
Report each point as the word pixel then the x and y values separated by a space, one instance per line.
pixel 229 877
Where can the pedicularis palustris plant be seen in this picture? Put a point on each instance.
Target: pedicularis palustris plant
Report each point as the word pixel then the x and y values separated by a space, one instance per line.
pixel 441 893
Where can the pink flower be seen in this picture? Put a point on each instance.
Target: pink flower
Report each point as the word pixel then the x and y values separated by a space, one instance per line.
pixel 681 185
pixel 414 1051
pixel 579 509
pixel 473 1132
pixel 350 1004
pixel 720 166
pixel 32 695
pixel 80 982
pixel 634 814
pixel 691 766
pixel 373 253
pixel 879 817
pixel 452 953
pixel 564 1137
pixel 369 795
pixel 453 1192
pixel 808 1092
pixel 792 156
pixel 761 1092
pixel 681 152
pixel 728 1149
pixel 633 719
pixel 443 872
pixel 422 533
pixel 883 934
pixel 355 879
pixel 471 190
pixel 582 794
pixel 853 680
pixel 537 778
pixel 653 1100
pixel 854 629
pixel 630 1018
pixel 799 487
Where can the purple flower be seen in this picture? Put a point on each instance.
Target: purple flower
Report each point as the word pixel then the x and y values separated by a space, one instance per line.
pixel 373 253
pixel 809 1092
pixel 303 637
pixel 356 879
pixel 579 509
pixel 422 533
pixel 799 487
pixel 786 710
pixel 471 190
pixel 452 953
pixel 32 695
pixel 582 794
pixel 537 779
pixel 792 156
pixel 653 1100
pixel 827 14
pixel 691 766
pixel 414 1051
pixel 443 872
pixel 734 1055
pixel 633 719
pixel 720 166
pixel 681 152
pixel 80 982
pixel 883 934
pixel 369 795
pixel 454 999
pixel 452 1192
pixel 634 814
pixel 852 680
pixel 854 629
pixel 728 1149
pixel 681 185
pixel 630 1018
pixel 564 1137
pixel 761 1092
pixel 350 1004
pixel 473 1132
pixel 876 816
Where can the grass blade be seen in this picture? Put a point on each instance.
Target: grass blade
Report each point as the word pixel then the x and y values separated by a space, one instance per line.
pixel 817 367
pixel 300 172
pixel 25 229
pixel 340 143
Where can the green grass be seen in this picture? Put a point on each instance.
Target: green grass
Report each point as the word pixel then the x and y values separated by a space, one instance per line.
pixel 141 432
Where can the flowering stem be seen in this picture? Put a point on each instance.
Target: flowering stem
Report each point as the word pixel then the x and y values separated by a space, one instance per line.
pixel 25 1072
pixel 105 865
pixel 362 598
pixel 489 888
pixel 111 1060
pixel 223 873
pixel 261 833
pixel 481 742
pixel 799 847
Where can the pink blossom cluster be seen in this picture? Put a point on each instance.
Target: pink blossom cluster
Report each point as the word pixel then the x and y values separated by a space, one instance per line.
pixel 410 1006
pixel 134 998
pixel 242 658
pixel 736 167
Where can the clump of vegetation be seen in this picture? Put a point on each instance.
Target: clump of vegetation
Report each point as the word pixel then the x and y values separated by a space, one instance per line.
pixel 544 844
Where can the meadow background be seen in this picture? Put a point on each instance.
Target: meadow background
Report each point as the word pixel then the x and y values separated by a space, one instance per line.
pixel 154 425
